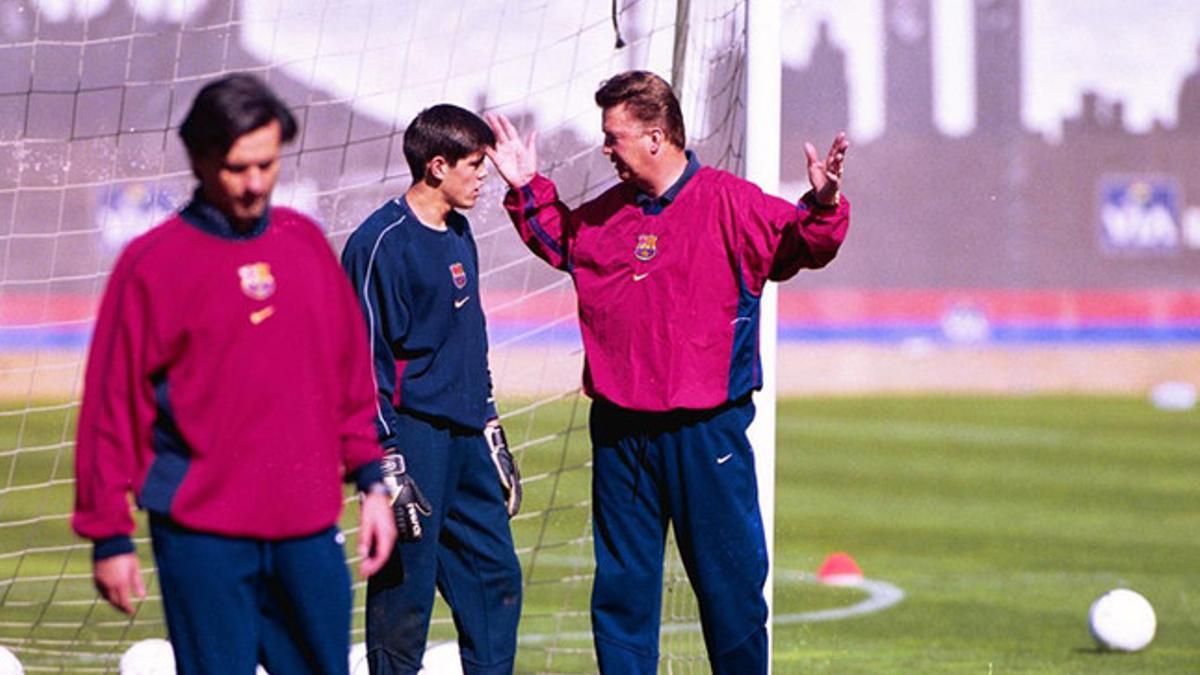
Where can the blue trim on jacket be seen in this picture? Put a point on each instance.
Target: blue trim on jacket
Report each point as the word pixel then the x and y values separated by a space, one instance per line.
pixel 745 365
pixel 654 205
pixel 172 456
pixel 203 214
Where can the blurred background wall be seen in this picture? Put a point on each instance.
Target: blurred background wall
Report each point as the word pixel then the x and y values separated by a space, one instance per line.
pixel 1023 177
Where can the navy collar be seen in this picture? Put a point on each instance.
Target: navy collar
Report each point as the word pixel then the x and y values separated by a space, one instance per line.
pixel 202 214
pixel 455 221
pixel 652 205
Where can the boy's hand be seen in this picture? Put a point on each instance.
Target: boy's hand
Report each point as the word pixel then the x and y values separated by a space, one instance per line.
pixel 506 466
pixel 406 499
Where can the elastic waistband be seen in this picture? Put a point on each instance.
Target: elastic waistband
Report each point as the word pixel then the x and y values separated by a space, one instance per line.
pixel 653 422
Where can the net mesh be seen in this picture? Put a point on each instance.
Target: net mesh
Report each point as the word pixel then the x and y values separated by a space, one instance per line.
pixel 91 95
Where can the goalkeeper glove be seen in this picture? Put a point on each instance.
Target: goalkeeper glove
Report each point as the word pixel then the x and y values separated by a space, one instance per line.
pixel 408 504
pixel 506 467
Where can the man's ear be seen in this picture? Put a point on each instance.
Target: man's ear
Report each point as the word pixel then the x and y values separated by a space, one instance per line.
pixel 437 168
pixel 200 163
pixel 657 138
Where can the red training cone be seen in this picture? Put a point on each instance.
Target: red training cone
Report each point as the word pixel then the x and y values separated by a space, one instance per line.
pixel 839 569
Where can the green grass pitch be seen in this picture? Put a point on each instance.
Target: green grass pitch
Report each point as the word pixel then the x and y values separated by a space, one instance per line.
pixel 1001 519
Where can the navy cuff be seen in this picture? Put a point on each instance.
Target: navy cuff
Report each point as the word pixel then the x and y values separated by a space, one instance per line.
pixel 367 475
pixel 112 546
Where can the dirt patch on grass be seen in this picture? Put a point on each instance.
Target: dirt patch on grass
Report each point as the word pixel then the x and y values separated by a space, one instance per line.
pixel 804 369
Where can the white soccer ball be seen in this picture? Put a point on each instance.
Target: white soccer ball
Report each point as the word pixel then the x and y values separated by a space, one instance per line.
pixel 152 656
pixel 9 663
pixel 1122 620
pixel 358 658
pixel 442 658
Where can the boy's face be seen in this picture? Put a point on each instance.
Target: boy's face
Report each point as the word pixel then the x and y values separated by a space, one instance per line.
pixel 240 183
pixel 462 181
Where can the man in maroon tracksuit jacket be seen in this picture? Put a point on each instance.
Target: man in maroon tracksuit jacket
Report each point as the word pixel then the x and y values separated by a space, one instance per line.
pixel 229 389
pixel 669 266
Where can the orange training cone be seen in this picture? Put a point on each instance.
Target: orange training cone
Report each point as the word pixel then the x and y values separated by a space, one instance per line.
pixel 839 569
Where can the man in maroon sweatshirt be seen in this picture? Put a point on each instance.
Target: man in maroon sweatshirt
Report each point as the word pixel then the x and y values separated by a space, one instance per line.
pixel 229 389
pixel 669 266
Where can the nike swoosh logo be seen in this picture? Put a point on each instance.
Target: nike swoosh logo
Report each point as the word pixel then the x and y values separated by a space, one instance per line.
pixel 262 314
pixel 724 458
pixel 460 302
pixel 740 318
pixel 639 277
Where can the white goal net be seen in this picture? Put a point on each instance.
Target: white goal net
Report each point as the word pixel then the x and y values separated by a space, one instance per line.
pixel 91 95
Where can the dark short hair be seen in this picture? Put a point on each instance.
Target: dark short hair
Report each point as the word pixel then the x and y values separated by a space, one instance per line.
pixel 228 108
pixel 444 130
pixel 648 98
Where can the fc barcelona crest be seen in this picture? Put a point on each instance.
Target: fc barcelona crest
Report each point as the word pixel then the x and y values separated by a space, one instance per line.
pixel 257 281
pixel 647 247
pixel 459 275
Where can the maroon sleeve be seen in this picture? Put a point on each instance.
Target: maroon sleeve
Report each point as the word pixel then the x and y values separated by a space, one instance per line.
pixel 117 409
pixel 360 441
pixel 778 238
pixel 541 219
pixel 813 240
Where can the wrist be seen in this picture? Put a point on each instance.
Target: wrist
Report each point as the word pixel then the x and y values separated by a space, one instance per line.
pixel 363 476
pixel 522 181
pixel 815 200
pixel 112 546
pixel 392 465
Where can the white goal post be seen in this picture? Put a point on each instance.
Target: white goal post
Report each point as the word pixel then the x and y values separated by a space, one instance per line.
pixel 763 100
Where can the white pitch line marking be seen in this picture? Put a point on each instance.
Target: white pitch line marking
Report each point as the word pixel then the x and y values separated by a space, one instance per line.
pixel 880 596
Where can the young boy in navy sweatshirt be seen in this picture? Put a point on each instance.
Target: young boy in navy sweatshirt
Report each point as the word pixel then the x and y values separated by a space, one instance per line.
pixel 415 268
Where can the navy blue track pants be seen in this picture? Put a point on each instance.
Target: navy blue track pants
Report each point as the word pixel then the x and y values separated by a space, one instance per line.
pixel 695 471
pixel 466 553
pixel 232 603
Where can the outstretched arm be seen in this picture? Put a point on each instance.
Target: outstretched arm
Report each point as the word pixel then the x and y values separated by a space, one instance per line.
pixel 826 175
pixel 784 237
pixel 515 161
pixel 532 201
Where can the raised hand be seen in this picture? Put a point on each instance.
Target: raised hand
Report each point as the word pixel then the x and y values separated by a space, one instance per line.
pixel 826 176
pixel 516 162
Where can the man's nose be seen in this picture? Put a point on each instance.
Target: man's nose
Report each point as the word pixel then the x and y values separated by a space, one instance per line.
pixel 255 180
